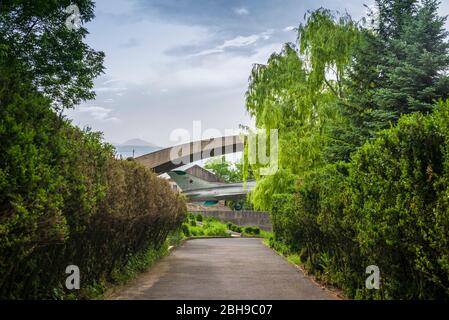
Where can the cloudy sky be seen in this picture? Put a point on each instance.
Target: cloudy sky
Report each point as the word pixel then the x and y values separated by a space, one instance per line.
pixel 172 62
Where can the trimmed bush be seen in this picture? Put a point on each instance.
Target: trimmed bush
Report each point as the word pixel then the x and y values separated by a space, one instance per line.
pixel 388 207
pixel 65 199
pixel 400 188
pixel 251 230
pixel 186 230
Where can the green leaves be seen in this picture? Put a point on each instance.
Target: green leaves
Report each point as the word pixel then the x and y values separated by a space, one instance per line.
pixel 61 65
pixel 328 44
pixel 345 95
pixel 294 94
pixel 64 198
pixel 396 184
pixel 400 68
pixel 225 170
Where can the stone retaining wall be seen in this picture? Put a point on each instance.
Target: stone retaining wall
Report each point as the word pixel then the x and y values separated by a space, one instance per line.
pixel 241 218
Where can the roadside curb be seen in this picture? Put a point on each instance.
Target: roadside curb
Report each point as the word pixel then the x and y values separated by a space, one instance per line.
pixel 331 290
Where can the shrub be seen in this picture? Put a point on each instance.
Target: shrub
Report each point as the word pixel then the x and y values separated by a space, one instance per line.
pixel 199 217
pixel 186 230
pixel 251 230
pixel 400 204
pixel 216 230
pixel 65 199
pixel 388 207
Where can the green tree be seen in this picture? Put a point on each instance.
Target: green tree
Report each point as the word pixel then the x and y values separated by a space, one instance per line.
pixel 297 92
pixel 61 64
pixel 399 67
pixel 417 64
pixel 64 198
pixel 392 16
pixel 225 170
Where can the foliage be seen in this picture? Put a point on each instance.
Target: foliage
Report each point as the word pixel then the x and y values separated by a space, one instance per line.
pixel 328 43
pixel 136 264
pixel 400 67
pixel 225 170
pixel 234 228
pixel 209 227
pixel 388 207
pixel 61 64
pixel 399 202
pixel 295 94
pixel 186 230
pixel 64 200
pixel 360 181
pixel 251 231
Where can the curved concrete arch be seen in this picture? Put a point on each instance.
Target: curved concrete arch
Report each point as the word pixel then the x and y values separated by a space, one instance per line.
pixel 174 157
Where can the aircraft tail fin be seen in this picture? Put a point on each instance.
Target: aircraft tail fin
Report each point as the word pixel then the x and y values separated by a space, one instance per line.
pixel 188 182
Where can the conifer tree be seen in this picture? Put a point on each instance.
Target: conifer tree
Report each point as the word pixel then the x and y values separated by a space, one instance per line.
pixel 400 67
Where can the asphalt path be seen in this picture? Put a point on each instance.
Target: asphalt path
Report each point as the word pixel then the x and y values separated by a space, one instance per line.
pixel 223 269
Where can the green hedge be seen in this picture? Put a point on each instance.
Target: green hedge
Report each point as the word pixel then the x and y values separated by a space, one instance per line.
pixel 388 207
pixel 65 199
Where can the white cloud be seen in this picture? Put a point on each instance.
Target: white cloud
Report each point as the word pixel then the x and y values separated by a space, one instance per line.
pixel 242 11
pixel 226 70
pixel 110 89
pixel 289 29
pixel 207 52
pixel 266 35
pixel 98 113
pixel 239 41
pixel 111 81
pixel 140 64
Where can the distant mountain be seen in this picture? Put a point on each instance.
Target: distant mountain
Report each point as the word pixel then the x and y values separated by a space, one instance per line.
pixel 139 143
pixel 135 148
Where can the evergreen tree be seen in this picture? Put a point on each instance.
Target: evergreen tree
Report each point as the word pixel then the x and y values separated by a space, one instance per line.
pixel 400 67
pixel 393 15
pixel 416 65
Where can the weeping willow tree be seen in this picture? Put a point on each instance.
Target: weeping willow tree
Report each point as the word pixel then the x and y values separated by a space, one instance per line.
pixel 297 93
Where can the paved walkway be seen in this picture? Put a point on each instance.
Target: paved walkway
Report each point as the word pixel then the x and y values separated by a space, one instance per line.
pixel 236 268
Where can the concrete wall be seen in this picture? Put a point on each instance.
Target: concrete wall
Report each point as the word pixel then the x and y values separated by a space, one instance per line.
pixel 241 218
pixel 200 206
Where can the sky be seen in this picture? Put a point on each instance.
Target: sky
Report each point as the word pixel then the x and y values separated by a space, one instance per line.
pixel 170 63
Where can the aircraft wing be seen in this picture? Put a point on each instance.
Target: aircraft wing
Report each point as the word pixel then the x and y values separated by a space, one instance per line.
pixel 232 191
pixel 198 190
pixel 187 182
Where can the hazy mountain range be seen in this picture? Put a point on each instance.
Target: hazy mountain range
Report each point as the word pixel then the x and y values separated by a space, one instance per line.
pixel 138 143
pixel 135 148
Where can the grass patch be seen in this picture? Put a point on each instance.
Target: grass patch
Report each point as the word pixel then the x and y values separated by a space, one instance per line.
pixel 295 259
pixel 283 250
pixel 139 263
pixel 253 232
pixel 196 225
pixel 199 226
